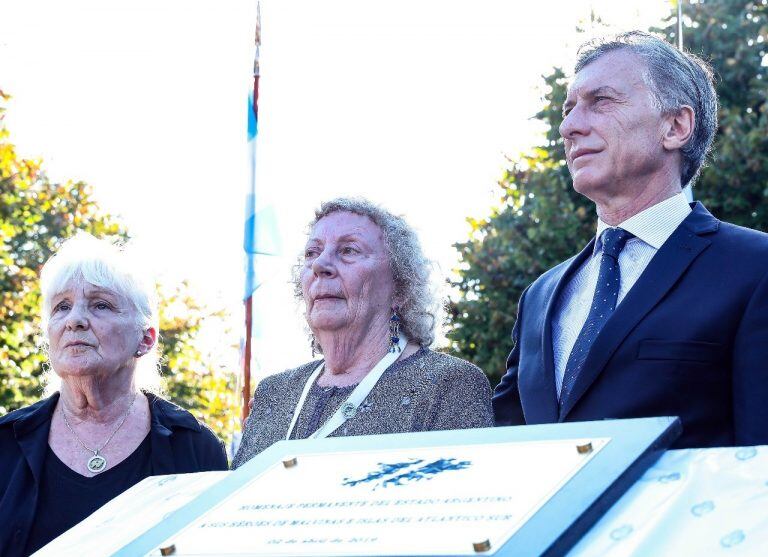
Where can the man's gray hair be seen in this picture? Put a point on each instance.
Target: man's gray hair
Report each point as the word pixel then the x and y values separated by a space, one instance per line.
pixel 410 268
pixel 675 79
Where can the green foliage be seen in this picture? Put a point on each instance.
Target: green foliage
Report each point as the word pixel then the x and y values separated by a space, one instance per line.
pixel 191 380
pixel 36 216
pixel 733 36
pixel 541 221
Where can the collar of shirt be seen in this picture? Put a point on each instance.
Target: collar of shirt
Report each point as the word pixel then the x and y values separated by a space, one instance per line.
pixel 654 224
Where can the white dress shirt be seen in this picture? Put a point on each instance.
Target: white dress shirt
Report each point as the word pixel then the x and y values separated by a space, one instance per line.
pixel 651 227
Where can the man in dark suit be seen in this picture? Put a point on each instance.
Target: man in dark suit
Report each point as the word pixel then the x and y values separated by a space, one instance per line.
pixel 665 311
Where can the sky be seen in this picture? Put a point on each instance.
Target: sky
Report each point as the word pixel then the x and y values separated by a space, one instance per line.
pixel 414 104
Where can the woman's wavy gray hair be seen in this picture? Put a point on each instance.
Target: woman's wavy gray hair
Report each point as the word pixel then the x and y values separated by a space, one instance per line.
pixel 410 268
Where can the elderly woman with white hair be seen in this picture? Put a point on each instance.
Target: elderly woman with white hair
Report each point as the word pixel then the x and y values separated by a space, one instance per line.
pixel 365 285
pixel 103 429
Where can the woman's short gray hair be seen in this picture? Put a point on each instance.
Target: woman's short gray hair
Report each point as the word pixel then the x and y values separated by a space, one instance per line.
pixel 675 79
pixel 410 268
pixel 107 265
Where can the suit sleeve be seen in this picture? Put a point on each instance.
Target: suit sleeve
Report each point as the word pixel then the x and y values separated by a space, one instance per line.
pixel 750 371
pixel 507 406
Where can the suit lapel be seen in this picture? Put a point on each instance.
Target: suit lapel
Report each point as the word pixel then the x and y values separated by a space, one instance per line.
pixel 662 273
pixel 541 387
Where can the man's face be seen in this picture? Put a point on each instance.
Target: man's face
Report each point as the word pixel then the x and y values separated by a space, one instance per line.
pixel 612 130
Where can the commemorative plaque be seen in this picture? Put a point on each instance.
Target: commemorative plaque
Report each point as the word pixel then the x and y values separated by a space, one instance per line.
pixel 530 490
pixel 427 501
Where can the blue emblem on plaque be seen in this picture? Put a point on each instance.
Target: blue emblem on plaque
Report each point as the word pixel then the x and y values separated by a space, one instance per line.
pixel 403 473
pixel 703 508
pixel 734 538
pixel 745 453
pixel 622 532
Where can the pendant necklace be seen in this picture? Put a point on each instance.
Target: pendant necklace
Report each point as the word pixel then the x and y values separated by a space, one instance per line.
pixel 97 463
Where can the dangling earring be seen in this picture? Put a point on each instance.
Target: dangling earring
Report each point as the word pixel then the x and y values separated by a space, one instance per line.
pixel 394 331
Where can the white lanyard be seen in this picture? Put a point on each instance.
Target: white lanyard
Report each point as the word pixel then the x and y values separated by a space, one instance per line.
pixel 349 408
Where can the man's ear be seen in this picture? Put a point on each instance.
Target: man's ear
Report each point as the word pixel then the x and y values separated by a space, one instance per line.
pixel 679 128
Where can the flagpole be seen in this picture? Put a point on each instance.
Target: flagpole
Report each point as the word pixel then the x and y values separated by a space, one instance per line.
pixel 687 190
pixel 246 392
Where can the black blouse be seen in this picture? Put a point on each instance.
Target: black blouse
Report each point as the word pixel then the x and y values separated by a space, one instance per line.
pixel 66 497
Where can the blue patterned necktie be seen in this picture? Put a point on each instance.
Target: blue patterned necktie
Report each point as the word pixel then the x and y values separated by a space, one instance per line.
pixel 603 304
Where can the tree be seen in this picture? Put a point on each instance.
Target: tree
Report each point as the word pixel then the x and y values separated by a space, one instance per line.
pixel 36 216
pixel 541 221
pixel 732 36
pixel 192 380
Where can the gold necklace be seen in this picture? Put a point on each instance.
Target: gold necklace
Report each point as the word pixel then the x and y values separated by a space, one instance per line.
pixel 97 463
